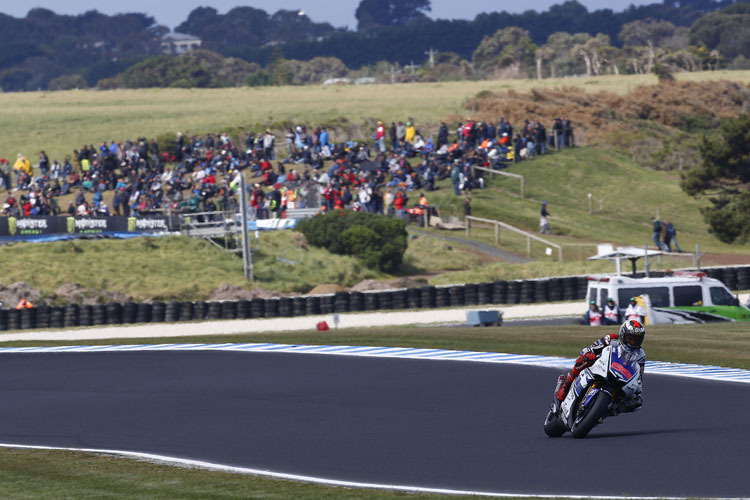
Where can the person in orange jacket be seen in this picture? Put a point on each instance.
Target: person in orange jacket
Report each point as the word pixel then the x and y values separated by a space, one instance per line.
pixel 24 304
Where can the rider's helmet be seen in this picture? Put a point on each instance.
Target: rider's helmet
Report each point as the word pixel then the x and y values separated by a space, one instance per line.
pixel 632 333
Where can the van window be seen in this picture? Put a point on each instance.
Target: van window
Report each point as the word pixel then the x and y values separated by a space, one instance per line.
pixel 687 295
pixel 659 295
pixel 592 295
pixel 603 296
pixel 720 297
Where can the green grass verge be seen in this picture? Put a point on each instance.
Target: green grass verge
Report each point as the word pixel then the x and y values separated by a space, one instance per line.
pixel 60 475
pixel 183 268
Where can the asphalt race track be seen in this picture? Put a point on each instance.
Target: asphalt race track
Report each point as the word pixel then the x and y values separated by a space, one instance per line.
pixel 435 424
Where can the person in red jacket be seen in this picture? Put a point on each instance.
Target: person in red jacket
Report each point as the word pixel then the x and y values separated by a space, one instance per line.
pixel 380 137
pixel 399 204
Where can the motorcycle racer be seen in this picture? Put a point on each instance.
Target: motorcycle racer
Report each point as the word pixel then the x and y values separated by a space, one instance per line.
pixel 630 339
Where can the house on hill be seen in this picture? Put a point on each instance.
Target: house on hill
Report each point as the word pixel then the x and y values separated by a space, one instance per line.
pixel 179 43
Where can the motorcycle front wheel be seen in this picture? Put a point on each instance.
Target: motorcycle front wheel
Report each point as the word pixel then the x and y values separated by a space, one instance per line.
pixel 591 415
pixel 553 426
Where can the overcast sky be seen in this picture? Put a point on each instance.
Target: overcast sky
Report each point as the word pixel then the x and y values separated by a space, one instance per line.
pixel 337 12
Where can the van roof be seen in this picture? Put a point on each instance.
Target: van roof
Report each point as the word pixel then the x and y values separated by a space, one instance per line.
pixel 681 278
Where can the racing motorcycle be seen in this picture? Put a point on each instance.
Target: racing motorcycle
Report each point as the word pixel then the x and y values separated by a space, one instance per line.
pixel 594 392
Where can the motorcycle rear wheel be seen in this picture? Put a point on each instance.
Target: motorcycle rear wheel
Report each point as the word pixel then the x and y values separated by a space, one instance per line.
pixel 553 426
pixel 597 409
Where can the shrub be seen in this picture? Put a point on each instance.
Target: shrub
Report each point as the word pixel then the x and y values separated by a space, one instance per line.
pixel 378 241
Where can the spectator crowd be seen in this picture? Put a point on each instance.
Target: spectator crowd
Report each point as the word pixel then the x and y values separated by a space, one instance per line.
pixel 202 173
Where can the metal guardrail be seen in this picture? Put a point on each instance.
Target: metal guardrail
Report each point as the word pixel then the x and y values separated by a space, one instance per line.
pixel 498 225
pixel 507 174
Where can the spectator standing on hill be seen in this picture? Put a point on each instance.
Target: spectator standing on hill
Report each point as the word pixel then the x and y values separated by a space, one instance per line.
pixel 442 135
pixel 380 138
pixel 672 235
pixel 544 219
pixel 400 133
pixel 43 163
pixel 5 173
pixel 656 236
pixel 456 177
pixel 467 206
pixel 409 133
pixel 392 135
pixel 22 166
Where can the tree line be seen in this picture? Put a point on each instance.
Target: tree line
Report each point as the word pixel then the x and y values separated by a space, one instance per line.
pixel 247 45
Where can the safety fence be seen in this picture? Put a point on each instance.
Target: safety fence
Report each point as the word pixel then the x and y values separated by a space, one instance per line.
pixel 425 297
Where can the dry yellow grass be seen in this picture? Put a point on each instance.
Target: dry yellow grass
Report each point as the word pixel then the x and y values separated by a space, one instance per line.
pixel 59 122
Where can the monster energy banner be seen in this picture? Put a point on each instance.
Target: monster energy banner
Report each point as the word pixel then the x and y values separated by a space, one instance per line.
pixel 32 226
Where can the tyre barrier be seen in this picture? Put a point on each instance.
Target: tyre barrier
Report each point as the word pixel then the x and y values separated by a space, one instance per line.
pixel 398 299
pixel 471 294
pixel 371 301
pixel 555 290
pixel 500 292
pixel 743 278
pixel 386 300
pixel 427 296
pixel 570 288
pixel 129 311
pixel 356 301
pixel 299 306
pixel 56 315
pixel 272 308
pixel 158 312
pixel 243 309
pixel 326 304
pixel 484 293
pixel 99 314
pixel 258 308
pixel 341 302
pixel 188 312
pixel 413 298
pixel 42 317
pixel 14 319
pixel 514 292
pixel 442 296
pixel 27 318
pixel 285 307
pixel 143 313
pixel 85 313
pixel 312 305
pixel 456 296
pixel 229 310
pixel 171 311
pixel 541 291
pixel 526 294
pixel 199 309
pixel 70 317
pixel 729 277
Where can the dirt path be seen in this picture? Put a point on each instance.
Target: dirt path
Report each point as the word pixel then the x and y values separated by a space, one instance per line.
pixel 482 247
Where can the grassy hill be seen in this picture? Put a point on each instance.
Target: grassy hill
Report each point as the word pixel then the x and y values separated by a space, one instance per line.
pixel 59 122
pixel 625 194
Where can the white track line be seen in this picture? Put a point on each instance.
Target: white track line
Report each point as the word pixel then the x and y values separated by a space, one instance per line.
pixel 182 462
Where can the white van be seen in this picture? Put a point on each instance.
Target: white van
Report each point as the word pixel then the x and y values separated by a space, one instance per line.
pixel 686 297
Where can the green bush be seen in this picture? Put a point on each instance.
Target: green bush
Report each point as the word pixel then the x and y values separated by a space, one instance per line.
pixel 378 241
